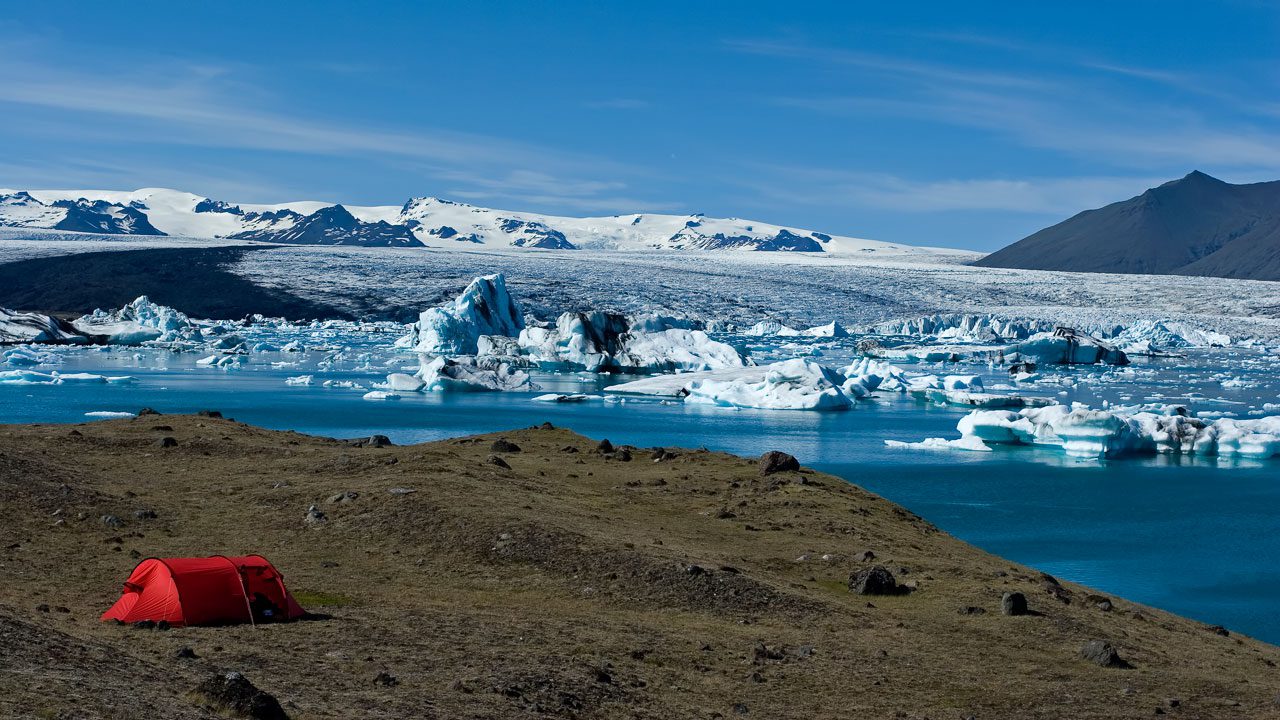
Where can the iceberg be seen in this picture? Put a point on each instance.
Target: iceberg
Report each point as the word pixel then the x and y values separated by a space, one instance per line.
pixel 465 374
pixel 380 395
pixel 771 327
pixel 26 327
pixel 404 383
pixel 832 329
pixel 483 308
pixel 973 328
pixel 608 342
pixel 1085 432
pixel 138 322
pixel 1064 346
pixel 866 376
pixel 789 385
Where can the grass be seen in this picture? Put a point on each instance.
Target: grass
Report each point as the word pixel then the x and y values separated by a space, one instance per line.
pixel 309 599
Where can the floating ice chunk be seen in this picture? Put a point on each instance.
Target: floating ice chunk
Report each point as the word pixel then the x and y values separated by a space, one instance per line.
pixel 62 378
pixel 607 342
pixel 300 380
pixel 465 374
pixel 404 383
pixel 832 329
pixel 1064 346
pixel 574 398
pixel 866 375
pixel 964 443
pixel 220 361
pixel 26 377
pixel 138 322
pixel 292 347
pixel 25 357
pixel 380 395
pixel 1085 432
pixel 483 308
pixel 789 385
pixel 771 327
pixel 27 327
pixel 109 414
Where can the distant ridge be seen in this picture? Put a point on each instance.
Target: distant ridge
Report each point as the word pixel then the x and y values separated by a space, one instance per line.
pixel 421 222
pixel 1197 225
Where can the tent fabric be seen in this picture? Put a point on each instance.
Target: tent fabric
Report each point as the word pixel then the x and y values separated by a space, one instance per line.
pixel 205 591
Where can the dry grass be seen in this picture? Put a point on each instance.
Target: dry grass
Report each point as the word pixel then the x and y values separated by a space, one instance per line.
pixel 562 586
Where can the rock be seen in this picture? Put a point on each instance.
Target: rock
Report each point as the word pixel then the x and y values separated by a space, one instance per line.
pixel 386 679
pixel 761 652
pixel 776 461
pixel 875 580
pixel 1013 603
pixel 233 695
pixel 401 491
pixel 42 608
pixel 497 460
pixel 1218 630
pixel 605 446
pixel 209 414
pixel 315 516
pixel 546 426
pixel 1100 652
pixel 145 625
pixel 147 411
pixel 112 521
pixel 145 514
pixel 163 625
pixel 344 497
pixel 624 455
pixel 167 442
pixel 568 449
pixel 865 556
pixel 373 441
pixel 186 653
pixel 503 445
pixel 972 610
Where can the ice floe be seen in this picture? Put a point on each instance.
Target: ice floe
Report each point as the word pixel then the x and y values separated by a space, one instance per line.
pixel 1064 346
pixel 1085 432
pixel 607 342
pixel 29 327
pixel 466 374
pixel 789 385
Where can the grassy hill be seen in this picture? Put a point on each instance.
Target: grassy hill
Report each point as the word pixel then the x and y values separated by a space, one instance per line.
pixel 574 583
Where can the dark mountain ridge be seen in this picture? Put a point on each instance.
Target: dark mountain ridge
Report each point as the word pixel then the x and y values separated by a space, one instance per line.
pixel 1196 225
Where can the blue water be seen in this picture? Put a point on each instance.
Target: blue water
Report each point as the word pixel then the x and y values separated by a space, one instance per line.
pixel 1193 537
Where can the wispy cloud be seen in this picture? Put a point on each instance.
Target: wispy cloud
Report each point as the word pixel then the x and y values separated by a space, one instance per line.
pixel 207 105
pixel 1049 196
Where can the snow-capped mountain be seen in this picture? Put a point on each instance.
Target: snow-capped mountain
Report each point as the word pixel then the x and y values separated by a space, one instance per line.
pixel 427 221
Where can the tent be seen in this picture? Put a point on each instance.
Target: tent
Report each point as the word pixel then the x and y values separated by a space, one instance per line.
pixel 205 591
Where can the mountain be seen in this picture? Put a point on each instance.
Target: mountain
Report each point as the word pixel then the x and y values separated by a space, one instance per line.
pixel 1197 225
pixel 20 209
pixel 426 221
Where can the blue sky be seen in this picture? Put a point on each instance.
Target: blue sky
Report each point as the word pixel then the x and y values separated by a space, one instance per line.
pixel 957 124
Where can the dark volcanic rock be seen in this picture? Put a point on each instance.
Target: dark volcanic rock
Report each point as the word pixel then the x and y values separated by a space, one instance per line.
pixel 1100 652
pixel 497 460
pixel 776 461
pixel 234 696
pixel 875 580
pixel 1013 603
pixel 167 442
pixel 373 441
pixel 503 445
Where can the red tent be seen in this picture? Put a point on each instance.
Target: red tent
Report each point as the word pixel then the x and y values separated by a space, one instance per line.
pixel 205 591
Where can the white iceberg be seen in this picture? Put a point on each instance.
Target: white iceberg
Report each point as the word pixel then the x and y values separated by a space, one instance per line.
pixel 1085 432
pixel 465 374
pixel 300 380
pixel 832 329
pixel 771 327
pixel 483 308
pixel 789 385
pixel 607 342
pixel 404 382
pixel 138 322
pixel 380 395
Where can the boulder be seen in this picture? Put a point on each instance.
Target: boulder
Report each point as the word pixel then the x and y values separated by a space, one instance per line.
pixel 1013 603
pixel 497 460
pixel 875 580
pixel 234 696
pixel 1101 653
pixel 503 445
pixel 776 461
